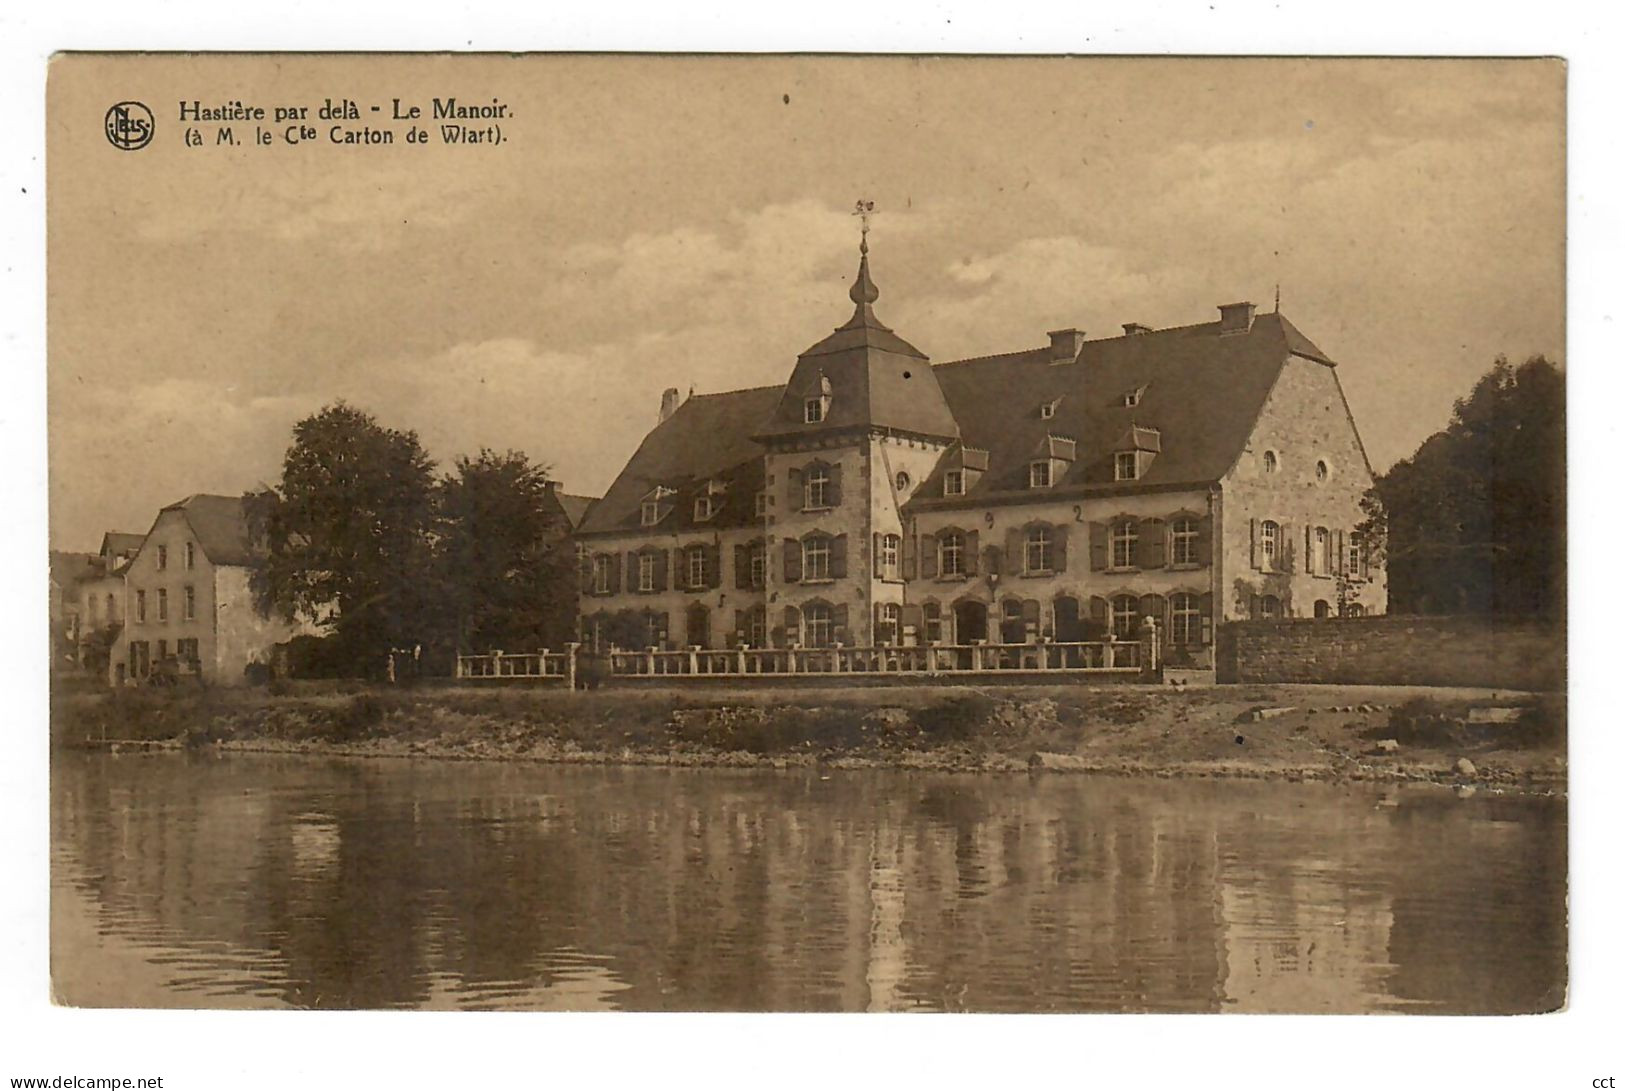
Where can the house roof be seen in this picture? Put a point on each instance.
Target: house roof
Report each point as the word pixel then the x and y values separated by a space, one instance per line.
pixel 575 507
pixel 220 524
pixel 117 543
pixel 1201 391
pixel 875 379
pixel 709 436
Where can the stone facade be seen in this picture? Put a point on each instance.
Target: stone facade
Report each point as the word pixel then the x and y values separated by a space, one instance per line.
pixel 1526 654
pixel 1196 475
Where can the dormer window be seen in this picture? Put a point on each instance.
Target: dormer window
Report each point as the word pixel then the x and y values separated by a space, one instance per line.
pixel 1132 398
pixel 816 409
pixel 1038 475
pixel 704 507
pixel 953 483
pixel 655 506
pixel 1047 410
pixel 1128 465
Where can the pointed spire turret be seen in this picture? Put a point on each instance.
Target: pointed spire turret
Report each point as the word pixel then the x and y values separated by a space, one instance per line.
pixel 863 292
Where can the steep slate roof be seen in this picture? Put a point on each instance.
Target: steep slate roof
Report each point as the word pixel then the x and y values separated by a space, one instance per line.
pixel 1202 392
pixel 575 507
pixel 876 378
pixel 709 436
pixel 220 525
pixel 116 542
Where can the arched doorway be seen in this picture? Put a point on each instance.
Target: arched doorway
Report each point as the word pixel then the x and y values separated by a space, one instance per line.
pixel 970 621
pixel 697 624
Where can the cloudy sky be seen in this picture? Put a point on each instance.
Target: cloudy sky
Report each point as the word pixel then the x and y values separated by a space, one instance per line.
pixel 681 222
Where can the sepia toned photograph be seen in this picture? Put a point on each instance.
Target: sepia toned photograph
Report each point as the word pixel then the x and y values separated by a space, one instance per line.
pixel 808 533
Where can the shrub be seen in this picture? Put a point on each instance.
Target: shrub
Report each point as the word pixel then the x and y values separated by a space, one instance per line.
pixel 957 718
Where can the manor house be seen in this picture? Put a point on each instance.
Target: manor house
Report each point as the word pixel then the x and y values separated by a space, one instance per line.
pixel 1194 475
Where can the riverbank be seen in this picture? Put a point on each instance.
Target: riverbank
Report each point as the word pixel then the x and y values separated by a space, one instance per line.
pixel 1335 733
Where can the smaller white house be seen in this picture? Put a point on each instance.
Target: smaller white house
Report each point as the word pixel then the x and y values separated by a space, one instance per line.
pixel 188 606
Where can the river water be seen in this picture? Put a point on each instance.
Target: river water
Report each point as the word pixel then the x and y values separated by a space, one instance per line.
pixel 259 881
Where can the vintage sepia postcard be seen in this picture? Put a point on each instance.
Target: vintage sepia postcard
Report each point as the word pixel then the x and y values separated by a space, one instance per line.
pixel 785 533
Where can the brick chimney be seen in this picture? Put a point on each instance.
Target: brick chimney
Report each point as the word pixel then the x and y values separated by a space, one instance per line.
pixel 1064 345
pixel 668 403
pixel 1130 329
pixel 1235 317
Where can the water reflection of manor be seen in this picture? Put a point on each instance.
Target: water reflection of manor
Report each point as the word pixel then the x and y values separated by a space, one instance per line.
pixel 483 885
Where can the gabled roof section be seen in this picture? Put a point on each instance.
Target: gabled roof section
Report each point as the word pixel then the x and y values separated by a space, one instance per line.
pixel 575 507
pixel 1202 396
pixel 116 544
pixel 220 525
pixel 707 438
pixel 875 378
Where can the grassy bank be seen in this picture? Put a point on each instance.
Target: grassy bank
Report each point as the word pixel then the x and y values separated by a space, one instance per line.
pixel 1300 732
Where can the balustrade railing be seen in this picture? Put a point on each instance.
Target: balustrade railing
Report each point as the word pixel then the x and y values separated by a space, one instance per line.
pixel 1098 657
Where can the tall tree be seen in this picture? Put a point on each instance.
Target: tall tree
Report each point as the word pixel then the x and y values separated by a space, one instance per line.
pixel 347 534
pixel 1474 522
pixel 506 567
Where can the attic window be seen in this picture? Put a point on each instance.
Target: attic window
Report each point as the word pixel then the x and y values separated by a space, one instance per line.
pixel 1128 465
pixel 1047 410
pixel 705 506
pixel 655 506
pixel 1132 398
pixel 813 410
pixel 953 483
pixel 1038 475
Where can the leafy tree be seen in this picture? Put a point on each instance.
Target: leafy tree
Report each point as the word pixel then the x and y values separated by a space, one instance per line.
pixel 1474 522
pixel 347 535
pixel 507 572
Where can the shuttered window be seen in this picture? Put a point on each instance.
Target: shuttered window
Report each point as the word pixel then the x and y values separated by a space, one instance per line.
pixel 951 551
pixel 1039 555
pixel 1125 543
pixel 815 558
pixel 1184 618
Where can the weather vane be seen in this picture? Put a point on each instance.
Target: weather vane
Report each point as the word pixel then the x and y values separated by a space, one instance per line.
pixel 863 210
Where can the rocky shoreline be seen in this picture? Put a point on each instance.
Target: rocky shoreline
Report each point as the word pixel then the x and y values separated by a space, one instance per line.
pixel 1350 734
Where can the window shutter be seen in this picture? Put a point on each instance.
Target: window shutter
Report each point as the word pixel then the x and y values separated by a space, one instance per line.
pixel 1098 542
pixel 1155 606
pixel 1207 618
pixel 1029 614
pixel 792 625
pixel 792 561
pixel 1153 543
pixel 993 561
pixel 1308 548
pixel 1342 565
pixel 911 547
pixel 1204 540
pixel 662 562
pixel 1015 550
pixel 928 556
pixel 839 616
pixel 837 557
pixel 874 557
pixel 912 616
pixel 1058 548
pixel 835 485
pixel 741 627
pixel 1252 542
pixel 713 564
pixel 798 495
pixel 973 546
pixel 741 566
pixel 614 573
pixel 1098 609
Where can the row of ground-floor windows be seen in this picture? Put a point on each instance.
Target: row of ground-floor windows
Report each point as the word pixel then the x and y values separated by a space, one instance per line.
pixel 1269 607
pixel 1184 617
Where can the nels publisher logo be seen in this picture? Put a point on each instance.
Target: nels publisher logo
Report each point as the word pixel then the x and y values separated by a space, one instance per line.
pixel 128 126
